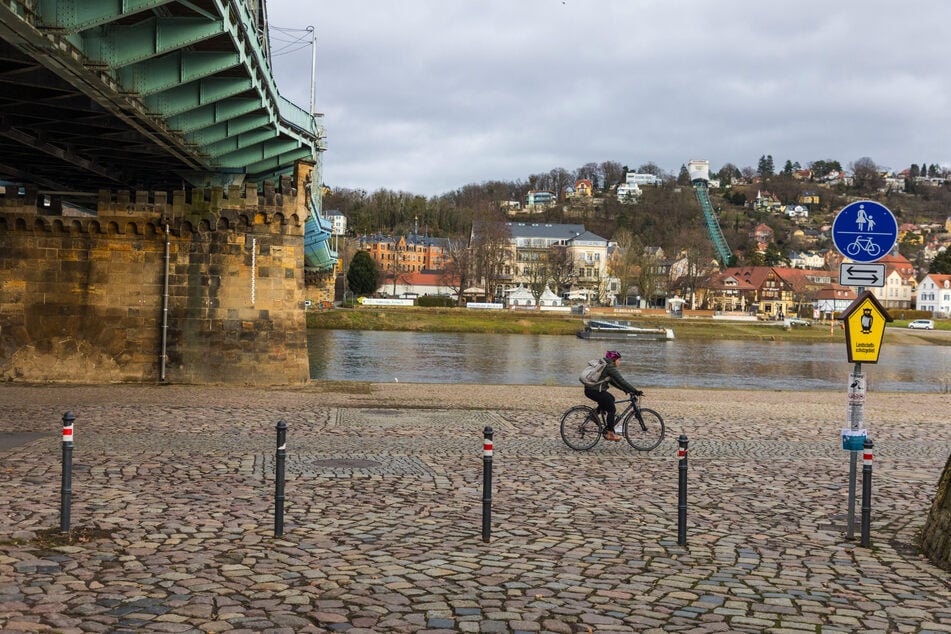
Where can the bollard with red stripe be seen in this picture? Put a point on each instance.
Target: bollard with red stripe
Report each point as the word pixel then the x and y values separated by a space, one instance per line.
pixel 486 483
pixel 866 492
pixel 66 484
pixel 682 491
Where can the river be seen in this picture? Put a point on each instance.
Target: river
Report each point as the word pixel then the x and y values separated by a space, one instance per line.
pixel 501 359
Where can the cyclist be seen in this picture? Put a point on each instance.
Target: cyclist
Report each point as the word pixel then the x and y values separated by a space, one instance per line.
pixel 605 400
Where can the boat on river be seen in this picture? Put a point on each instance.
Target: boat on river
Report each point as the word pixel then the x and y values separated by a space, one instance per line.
pixel 604 329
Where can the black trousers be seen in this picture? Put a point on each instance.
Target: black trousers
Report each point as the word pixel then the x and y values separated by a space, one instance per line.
pixel 605 401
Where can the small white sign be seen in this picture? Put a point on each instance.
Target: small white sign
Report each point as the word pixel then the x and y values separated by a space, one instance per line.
pixel 854 274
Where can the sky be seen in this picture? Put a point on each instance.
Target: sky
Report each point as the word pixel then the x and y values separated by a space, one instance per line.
pixel 427 96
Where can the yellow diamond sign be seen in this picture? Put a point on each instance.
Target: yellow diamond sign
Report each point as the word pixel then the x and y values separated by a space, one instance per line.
pixel 865 323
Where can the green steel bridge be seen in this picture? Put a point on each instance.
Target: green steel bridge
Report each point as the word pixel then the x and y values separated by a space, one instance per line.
pixel 149 94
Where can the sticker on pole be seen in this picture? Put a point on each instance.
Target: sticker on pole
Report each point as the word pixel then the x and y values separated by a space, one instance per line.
pixel 865 231
pixel 854 439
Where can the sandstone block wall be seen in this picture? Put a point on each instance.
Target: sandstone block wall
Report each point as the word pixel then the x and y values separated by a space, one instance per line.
pixel 936 537
pixel 82 296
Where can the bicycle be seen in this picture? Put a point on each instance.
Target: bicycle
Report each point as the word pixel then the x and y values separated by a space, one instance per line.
pixel 863 244
pixel 583 426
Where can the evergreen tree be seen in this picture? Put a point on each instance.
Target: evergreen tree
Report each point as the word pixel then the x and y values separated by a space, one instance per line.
pixel 684 177
pixel 363 276
pixel 941 265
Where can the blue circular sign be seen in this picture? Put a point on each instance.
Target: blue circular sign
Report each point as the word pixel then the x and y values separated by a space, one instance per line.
pixel 864 231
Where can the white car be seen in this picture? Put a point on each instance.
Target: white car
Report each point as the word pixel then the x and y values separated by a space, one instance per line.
pixel 922 324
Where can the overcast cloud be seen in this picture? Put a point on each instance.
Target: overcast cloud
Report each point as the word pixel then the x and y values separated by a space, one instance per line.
pixel 426 96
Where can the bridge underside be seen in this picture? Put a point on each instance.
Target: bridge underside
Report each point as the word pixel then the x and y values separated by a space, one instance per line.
pixel 54 136
pixel 155 94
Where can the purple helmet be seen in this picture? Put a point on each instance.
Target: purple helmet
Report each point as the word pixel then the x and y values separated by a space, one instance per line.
pixel 612 355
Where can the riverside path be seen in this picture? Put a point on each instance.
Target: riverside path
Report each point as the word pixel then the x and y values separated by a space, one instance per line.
pixel 173 501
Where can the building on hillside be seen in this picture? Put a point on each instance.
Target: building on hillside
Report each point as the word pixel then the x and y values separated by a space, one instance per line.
pixel 765 201
pixel 628 192
pixel 411 253
pixel 510 207
pixel 338 222
pixel 540 198
pixel 806 260
pixel 762 233
pixel 796 211
pixel 934 294
pixel 808 198
pixel 584 187
pixel 774 292
pixel 578 258
pixel 638 179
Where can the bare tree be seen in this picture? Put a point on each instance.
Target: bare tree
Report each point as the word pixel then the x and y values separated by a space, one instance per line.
pixel 866 176
pixel 458 270
pixel 560 179
pixel 627 262
pixel 538 277
pixel 592 172
pixel 561 269
pixel 613 174
pixel 491 244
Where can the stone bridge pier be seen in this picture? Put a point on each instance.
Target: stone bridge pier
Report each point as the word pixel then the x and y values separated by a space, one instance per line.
pixel 202 287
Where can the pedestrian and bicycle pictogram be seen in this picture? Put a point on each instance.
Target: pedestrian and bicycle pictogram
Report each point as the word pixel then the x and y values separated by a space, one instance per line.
pixel 864 231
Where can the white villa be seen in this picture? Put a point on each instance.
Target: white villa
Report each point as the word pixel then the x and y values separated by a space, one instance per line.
pixel 934 295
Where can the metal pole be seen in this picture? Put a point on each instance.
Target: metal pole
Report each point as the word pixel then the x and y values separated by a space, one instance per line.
pixel 487 484
pixel 866 492
pixel 163 357
pixel 313 69
pixel 66 487
pixel 682 492
pixel 856 422
pixel 279 478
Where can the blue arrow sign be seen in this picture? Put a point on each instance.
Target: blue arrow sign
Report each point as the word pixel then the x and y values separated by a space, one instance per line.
pixel 865 231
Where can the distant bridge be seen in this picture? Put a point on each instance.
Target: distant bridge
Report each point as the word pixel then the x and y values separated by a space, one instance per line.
pixel 148 95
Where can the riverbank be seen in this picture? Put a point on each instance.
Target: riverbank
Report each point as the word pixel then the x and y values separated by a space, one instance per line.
pixel 414 319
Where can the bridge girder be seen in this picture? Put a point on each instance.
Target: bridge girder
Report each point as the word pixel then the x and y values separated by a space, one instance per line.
pixel 142 94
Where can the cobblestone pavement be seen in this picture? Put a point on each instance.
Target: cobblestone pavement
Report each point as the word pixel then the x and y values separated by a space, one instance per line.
pixel 383 513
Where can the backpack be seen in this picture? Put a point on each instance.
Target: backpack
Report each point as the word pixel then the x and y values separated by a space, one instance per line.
pixel 591 375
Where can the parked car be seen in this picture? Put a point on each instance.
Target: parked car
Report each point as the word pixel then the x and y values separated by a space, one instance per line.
pixel 922 324
pixel 797 321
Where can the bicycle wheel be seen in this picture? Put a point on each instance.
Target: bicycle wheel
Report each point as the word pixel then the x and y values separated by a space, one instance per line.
pixel 646 433
pixel 580 428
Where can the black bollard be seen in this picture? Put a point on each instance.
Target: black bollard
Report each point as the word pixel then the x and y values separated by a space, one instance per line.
pixel 279 478
pixel 66 486
pixel 682 492
pixel 866 492
pixel 487 484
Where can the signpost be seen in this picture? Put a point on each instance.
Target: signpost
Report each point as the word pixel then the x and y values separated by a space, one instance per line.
pixel 864 231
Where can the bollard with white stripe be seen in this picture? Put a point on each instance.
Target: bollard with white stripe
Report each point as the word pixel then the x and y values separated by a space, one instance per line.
pixel 66 484
pixel 866 492
pixel 682 492
pixel 486 483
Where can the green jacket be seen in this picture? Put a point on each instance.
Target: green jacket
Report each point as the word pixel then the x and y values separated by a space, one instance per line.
pixel 613 376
